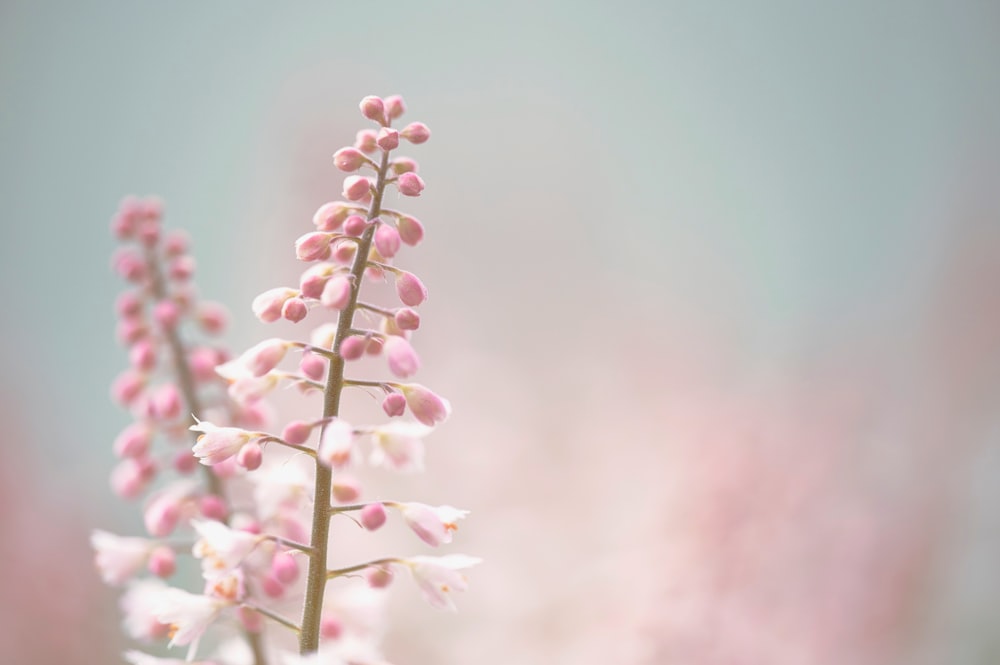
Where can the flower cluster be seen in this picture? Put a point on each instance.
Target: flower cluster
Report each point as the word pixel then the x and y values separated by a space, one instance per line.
pixel 251 551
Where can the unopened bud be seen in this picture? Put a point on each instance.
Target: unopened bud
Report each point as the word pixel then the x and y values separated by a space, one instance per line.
pixel 416 132
pixel 372 516
pixel 349 159
pixel 373 108
pixel 410 184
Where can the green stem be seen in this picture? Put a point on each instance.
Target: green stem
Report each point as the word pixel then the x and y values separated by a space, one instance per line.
pixel 319 539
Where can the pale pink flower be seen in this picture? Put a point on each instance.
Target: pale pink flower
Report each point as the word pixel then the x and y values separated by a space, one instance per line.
pixel 416 132
pixel 410 289
pixel 434 525
pixel 402 358
pixel 187 614
pixel 336 292
pixel 137 605
pixel 388 138
pixel 356 187
pixel 427 407
pixel 373 108
pixel 410 184
pixel 331 215
pixel 349 159
pixel 260 358
pixel 267 306
pixel 336 443
pixel 372 516
pixel 387 240
pixel 220 548
pixel 219 443
pixel 438 576
pixel 283 488
pixel 399 446
pixel 119 558
pixel 313 246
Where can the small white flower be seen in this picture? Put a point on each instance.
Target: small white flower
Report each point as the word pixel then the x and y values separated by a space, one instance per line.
pixel 137 605
pixel 399 445
pixel 217 444
pixel 336 444
pixel 220 548
pixel 438 576
pixel 434 525
pixel 119 558
pixel 187 614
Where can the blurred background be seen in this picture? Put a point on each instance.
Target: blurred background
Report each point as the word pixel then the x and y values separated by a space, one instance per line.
pixel 713 291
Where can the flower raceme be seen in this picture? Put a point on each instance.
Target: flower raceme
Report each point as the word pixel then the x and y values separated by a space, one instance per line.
pixel 273 544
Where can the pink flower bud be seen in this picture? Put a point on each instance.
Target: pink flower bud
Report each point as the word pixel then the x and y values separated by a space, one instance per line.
pixel 394 405
pixel 250 456
pixel 212 317
pixel 346 489
pixel 337 292
pixel 331 628
pixel 374 273
pixel 387 240
pixel 343 253
pixel 127 387
pixel 202 361
pixel 427 407
pixel 313 246
pixel 404 165
pixel 181 268
pixel 166 313
pixel 336 444
pixel 378 577
pixel 167 402
pixel 331 215
pixel 184 462
pixel 373 346
pixel 267 306
pixel 127 479
pixel 373 108
pixel 356 187
pixel 131 330
pixel 294 309
pixel 355 225
pixel 353 348
pixel 161 516
pixel 284 567
pixel 264 356
pixel 394 106
pixel 128 303
pixel 365 141
pixel 313 366
pixel 142 356
pixel 349 159
pixel 403 360
pixel 313 280
pixel 129 265
pixel 410 184
pixel 407 319
pixel 416 132
pixel 176 243
pixel 162 561
pixel 372 516
pixel 388 139
pixel 273 588
pixel 411 231
pixel 133 441
pixel 296 432
pixel 213 507
pixel 410 289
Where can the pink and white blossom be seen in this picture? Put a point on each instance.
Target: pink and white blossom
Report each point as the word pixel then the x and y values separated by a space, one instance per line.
pixel 137 605
pixel 188 614
pixel 438 576
pixel 220 548
pixel 399 446
pixel 219 443
pixel 434 525
pixel 336 444
pixel 426 406
pixel 119 558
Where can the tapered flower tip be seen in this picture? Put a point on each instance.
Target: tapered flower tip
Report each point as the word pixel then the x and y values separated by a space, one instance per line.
pixel 403 360
pixel 416 132
pixel 331 215
pixel 437 577
pixel 394 405
pixel 356 187
pixel 411 231
pixel 410 289
pixel 387 240
pixel 426 406
pixel 434 525
pixel 349 159
pixel 267 306
pixel 394 106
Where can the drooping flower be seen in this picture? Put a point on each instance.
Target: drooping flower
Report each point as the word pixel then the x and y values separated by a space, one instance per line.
pixel 426 406
pixel 220 548
pixel 217 444
pixel 434 525
pixel 187 614
pixel 438 576
pixel 138 604
pixel 120 558
pixel 399 446
pixel 336 444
